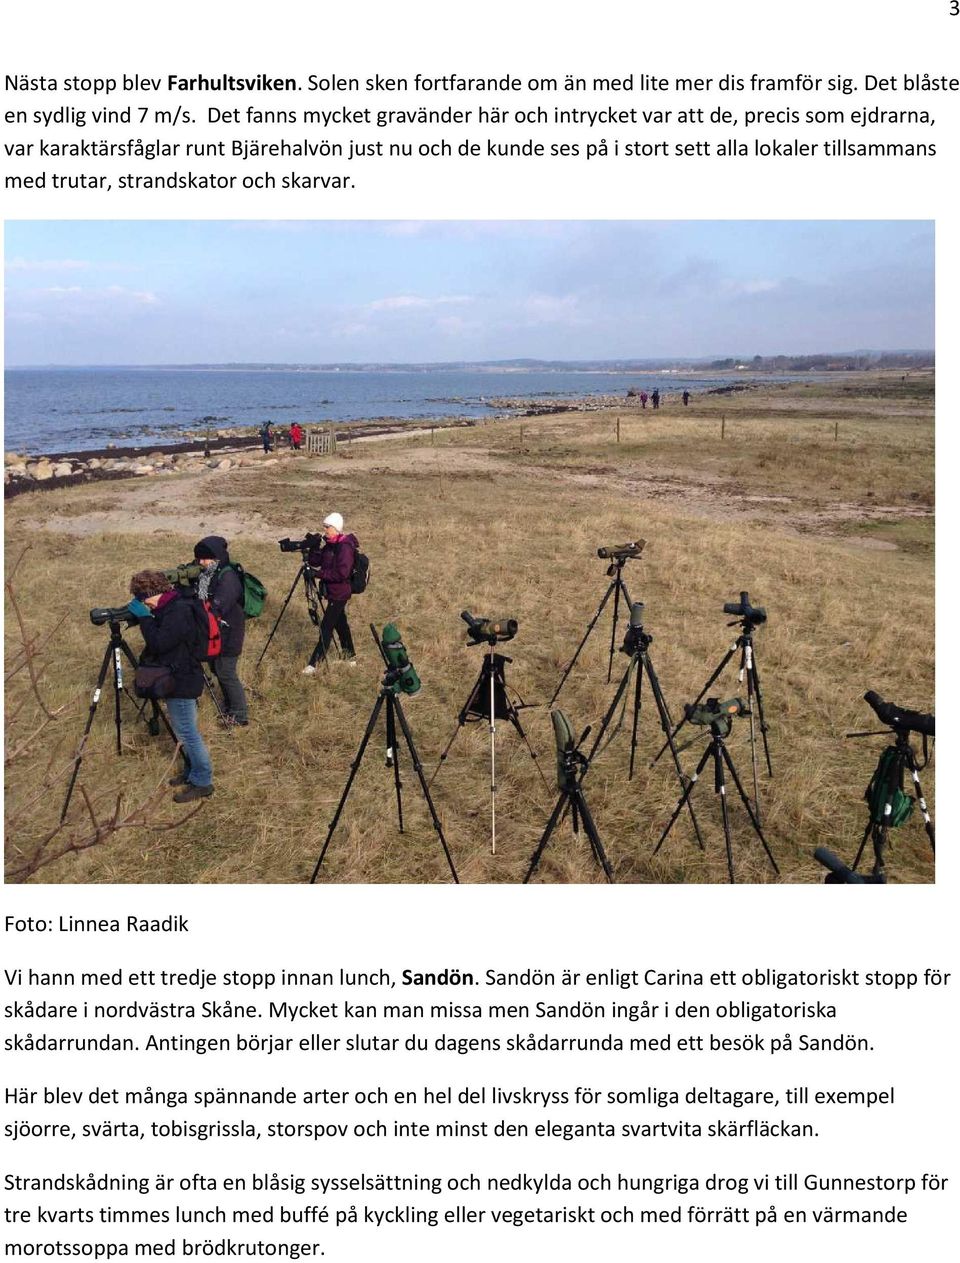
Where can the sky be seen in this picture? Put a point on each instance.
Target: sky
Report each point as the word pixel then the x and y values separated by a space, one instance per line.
pixel 181 291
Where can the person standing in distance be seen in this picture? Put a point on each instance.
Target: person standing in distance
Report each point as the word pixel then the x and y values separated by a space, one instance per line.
pixel 334 561
pixel 221 586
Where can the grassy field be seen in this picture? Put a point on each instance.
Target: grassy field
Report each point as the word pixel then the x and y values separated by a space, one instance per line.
pixel 816 498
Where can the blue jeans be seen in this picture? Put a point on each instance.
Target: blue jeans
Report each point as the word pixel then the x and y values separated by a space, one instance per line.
pixel 183 721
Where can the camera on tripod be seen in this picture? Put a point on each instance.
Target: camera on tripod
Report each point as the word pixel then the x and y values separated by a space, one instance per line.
pixel 310 541
pixel 112 614
pixel 621 552
pixel 489 630
pixel 744 611
pixel 400 676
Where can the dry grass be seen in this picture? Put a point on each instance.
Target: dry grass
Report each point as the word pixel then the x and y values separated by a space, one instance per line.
pixel 481 519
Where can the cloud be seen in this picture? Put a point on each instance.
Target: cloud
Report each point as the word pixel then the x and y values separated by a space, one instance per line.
pixel 401 302
pixel 735 288
pixel 46 265
pixel 540 309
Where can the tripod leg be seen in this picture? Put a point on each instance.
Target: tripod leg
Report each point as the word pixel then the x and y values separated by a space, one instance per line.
pixel 918 793
pixel 637 703
pixel 684 797
pixel 418 768
pixel 515 720
pixel 117 692
pixel 721 788
pixel 393 757
pixel 208 685
pixel 699 698
pixel 863 843
pixel 354 768
pixel 559 810
pixel 591 831
pixel 754 820
pixel 666 724
pixel 493 761
pixel 573 661
pixel 461 720
pixel 611 710
pixel 613 630
pixel 78 757
pixel 763 722
pixel 746 668
pixel 283 609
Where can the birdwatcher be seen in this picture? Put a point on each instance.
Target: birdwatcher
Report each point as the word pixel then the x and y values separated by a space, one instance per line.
pixel 335 563
pixel 175 631
pixel 686 397
pixel 266 436
pixel 222 588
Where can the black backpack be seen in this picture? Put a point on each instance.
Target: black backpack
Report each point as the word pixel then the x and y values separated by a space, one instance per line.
pixel 360 574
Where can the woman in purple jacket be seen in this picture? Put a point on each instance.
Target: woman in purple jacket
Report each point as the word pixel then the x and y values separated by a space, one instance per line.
pixel 335 563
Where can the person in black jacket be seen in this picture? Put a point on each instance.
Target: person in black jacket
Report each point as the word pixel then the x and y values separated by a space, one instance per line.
pixel 175 629
pixel 223 588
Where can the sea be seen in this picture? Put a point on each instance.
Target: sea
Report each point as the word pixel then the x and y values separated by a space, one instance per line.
pixel 73 409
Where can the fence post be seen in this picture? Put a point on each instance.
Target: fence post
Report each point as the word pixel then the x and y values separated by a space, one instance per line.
pixel 836 430
pixel 618 429
pixel 723 426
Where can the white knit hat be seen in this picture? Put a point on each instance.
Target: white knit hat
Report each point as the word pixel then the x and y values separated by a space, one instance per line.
pixel 335 520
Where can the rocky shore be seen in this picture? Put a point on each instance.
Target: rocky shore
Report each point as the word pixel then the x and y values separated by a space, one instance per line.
pixel 225 449
pixel 222 450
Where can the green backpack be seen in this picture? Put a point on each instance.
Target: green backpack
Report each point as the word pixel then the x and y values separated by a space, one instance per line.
pixel 254 592
pixel 878 795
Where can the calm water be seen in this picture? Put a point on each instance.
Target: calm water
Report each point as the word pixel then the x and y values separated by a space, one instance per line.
pixel 50 410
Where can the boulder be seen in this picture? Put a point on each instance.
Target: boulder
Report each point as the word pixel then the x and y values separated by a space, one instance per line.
pixel 62 470
pixel 143 469
pixel 12 458
pixel 41 470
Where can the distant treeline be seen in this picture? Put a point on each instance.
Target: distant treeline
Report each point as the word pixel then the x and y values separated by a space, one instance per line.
pixel 832 363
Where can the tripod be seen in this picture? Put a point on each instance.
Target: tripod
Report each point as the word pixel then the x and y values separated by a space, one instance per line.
pixel 572 766
pixel 636 644
pixel 719 717
pixel 886 798
pixel 311 591
pixel 616 588
pixel 117 649
pixel 389 697
pixel 488 700
pixel 748 671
